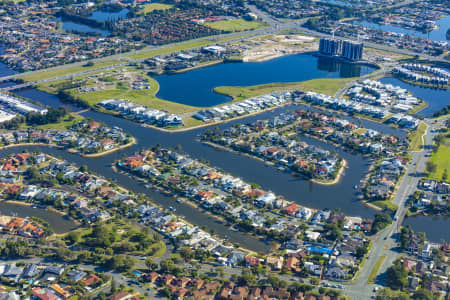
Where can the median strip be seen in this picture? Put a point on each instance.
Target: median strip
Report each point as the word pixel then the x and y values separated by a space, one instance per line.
pixel 376 268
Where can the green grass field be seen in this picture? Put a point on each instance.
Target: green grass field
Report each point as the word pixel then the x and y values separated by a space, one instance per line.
pixel 143 97
pixel 65 123
pixel 234 25
pixel 376 268
pixel 60 71
pixel 415 138
pixel 148 8
pixel 442 160
pixel 182 46
pixel 360 131
pixel 327 86
pixel 148 98
pixel 385 204
pixel 419 107
pixel 140 97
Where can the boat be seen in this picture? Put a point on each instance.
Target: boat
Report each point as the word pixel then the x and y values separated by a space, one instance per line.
pixel 355 186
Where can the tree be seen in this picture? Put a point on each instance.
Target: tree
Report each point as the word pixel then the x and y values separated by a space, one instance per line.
pixel 387 293
pixel 149 263
pixel 73 237
pixel 333 232
pixel 186 253
pixel 430 167
pixel 361 251
pixel 444 175
pixel 423 294
pixel 397 276
pixel 247 278
pixel 381 221
pixel 315 281
pixel 275 282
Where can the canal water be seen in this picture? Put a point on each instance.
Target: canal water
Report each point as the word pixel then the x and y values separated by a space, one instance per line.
pixel 435 98
pixel 434 35
pixel 340 196
pixel 59 223
pixel 436 228
pixel 195 87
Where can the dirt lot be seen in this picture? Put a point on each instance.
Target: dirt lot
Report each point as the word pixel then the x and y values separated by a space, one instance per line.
pixel 273 46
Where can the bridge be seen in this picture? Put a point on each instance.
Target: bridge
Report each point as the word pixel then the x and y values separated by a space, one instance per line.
pixel 17 86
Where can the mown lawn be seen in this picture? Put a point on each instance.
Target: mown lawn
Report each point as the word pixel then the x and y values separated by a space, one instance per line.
pixel 376 268
pixel 360 131
pixel 61 71
pixel 415 138
pixel 234 25
pixel 182 46
pixel 385 204
pixel 328 86
pixel 155 6
pixel 142 97
pixel 442 160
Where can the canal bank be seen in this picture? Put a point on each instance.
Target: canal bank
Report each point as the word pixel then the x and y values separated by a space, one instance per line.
pixel 340 196
pixel 59 223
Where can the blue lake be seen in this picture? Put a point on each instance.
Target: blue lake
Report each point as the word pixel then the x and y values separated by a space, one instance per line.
pixel 100 16
pixel 69 26
pixel 434 35
pixel 435 98
pixel 196 87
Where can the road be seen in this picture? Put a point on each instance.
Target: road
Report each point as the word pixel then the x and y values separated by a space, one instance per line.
pixel 386 242
pixel 275 26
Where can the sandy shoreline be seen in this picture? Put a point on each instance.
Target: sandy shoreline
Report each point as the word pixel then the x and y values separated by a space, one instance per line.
pixel 133 141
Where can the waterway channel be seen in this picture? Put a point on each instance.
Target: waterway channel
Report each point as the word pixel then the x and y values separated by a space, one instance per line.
pixel 438 34
pixel 340 196
pixel 436 98
pixel 58 223
pixel 436 228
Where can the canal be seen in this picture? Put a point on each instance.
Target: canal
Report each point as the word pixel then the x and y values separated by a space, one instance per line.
pixel 58 223
pixel 340 196
pixel 436 98
pixel 436 228
pixel 438 34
